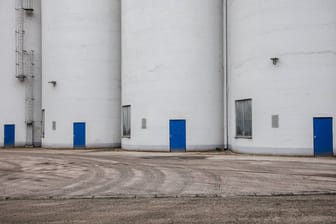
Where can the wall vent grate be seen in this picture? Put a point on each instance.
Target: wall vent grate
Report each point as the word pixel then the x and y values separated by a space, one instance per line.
pixel 275 121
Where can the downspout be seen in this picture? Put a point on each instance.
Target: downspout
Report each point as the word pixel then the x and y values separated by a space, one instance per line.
pixel 29 73
pixel 226 74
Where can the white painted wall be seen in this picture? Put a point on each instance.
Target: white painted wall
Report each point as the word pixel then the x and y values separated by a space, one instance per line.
pixel 172 69
pixel 81 52
pixel 302 86
pixel 12 91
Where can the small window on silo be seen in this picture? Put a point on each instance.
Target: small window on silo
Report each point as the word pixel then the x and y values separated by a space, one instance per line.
pixel 275 121
pixel 126 121
pixel 244 118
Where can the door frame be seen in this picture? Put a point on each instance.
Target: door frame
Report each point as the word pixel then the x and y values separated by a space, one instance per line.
pixel 185 135
pixel 5 131
pixel 315 132
pixel 74 135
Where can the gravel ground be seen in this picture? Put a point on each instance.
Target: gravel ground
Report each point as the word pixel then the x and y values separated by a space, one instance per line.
pixel 97 186
pixel 296 209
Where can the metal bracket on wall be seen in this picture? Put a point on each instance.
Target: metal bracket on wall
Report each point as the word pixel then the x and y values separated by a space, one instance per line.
pixel 54 83
pixel 28 6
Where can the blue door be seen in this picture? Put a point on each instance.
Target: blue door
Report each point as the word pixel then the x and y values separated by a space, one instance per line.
pixel 79 134
pixel 323 136
pixel 178 135
pixel 9 135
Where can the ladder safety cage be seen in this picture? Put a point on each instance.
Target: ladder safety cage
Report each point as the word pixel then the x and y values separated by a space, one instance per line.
pixel 19 34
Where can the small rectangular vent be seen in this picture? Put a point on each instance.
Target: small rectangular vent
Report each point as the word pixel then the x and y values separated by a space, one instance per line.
pixel 275 121
pixel 54 125
pixel 144 123
pixel 28 5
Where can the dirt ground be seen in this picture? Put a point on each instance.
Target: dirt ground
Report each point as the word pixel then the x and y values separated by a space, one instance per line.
pixel 296 209
pixel 98 186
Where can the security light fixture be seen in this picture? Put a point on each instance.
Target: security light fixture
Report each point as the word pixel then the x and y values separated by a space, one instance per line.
pixel 28 6
pixel 29 122
pixel 275 61
pixel 53 83
pixel 21 77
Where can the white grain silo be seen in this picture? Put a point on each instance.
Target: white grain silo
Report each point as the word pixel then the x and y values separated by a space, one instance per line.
pixel 172 82
pixel 282 75
pixel 20 86
pixel 81 73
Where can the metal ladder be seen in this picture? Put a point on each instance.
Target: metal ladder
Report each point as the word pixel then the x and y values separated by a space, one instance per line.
pixel 25 69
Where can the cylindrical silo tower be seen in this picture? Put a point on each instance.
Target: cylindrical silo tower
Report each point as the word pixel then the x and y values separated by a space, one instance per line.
pixel 20 86
pixel 172 81
pixel 282 75
pixel 81 73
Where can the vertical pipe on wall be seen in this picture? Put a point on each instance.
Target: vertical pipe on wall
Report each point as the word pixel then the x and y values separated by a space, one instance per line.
pixel 226 74
pixel 29 100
